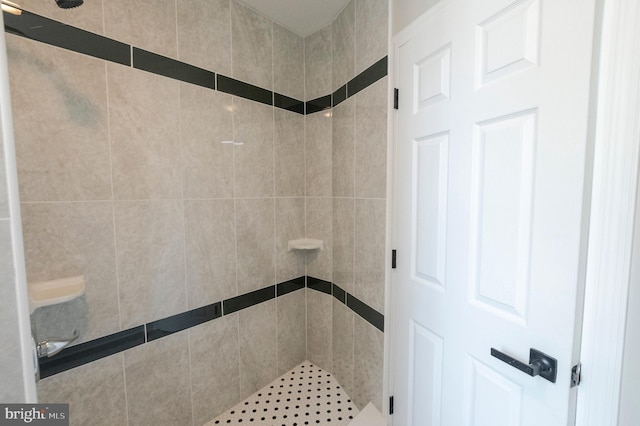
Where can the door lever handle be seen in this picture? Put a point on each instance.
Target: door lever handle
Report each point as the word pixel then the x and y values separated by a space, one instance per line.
pixel 540 364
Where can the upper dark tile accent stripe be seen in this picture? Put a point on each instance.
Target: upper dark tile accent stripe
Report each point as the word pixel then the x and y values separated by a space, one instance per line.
pixel 372 316
pixel 339 294
pixel 45 30
pixel 290 286
pixel 339 96
pixel 93 350
pixel 158 64
pixel 319 285
pixel 318 104
pixel 290 104
pixel 179 322
pixel 244 90
pixel 367 77
pixel 247 300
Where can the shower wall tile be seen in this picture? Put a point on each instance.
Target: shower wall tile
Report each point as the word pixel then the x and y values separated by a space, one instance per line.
pixel 343 243
pixel 258 355
pixel 88 17
pixel 371 141
pixel 288 63
pixel 252 47
pixel 318 63
pixel 343 148
pixel 344 38
pixel 158 382
pixel 210 243
pixel 254 160
pixel 319 329
pixel 64 93
pixel 147 24
pixel 291 328
pixel 368 371
pixel 370 222
pixel 319 223
pixel 145 140
pixel 319 155
pixel 67 239
pixel 372 37
pixel 205 122
pixel 343 341
pixel 255 243
pixel 215 367
pixel 150 256
pixel 95 392
pixel 289 226
pixel 289 154
pixel 204 34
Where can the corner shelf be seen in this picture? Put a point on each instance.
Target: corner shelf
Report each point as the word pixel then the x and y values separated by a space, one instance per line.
pixel 306 244
pixel 52 292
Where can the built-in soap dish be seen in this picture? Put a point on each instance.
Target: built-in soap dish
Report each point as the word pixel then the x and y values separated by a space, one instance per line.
pixel 52 292
pixel 306 244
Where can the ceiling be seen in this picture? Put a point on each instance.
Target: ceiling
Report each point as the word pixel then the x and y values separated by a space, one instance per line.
pixel 303 17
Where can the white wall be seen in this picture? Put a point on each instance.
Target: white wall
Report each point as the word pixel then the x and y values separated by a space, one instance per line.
pixel 405 12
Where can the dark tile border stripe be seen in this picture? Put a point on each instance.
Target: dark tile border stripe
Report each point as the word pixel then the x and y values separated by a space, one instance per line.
pixel 161 65
pixel 367 77
pixel 319 285
pixel 179 322
pixel 290 104
pixel 290 286
pixel 365 311
pixel 93 350
pixel 339 294
pixel 244 90
pixel 45 30
pixel 247 300
pixel 339 96
pixel 318 104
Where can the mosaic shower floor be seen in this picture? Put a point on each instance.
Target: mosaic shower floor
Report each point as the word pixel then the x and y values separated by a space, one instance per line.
pixel 306 395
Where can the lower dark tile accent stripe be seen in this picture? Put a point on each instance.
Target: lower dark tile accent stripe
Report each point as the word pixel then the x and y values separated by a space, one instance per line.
pixel 319 285
pixel 290 286
pixel 244 90
pixel 93 350
pixel 367 77
pixel 168 67
pixel 247 300
pixel 369 314
pixel 339 96
pixel 45 30
pixel 179 322
pixel 339 294
pixel 318 104
pixel 290 104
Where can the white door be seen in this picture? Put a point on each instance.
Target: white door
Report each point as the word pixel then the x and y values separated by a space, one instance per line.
pixel 491 149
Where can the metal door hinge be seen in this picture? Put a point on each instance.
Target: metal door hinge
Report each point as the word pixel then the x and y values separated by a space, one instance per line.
pixel 390 405
pixel 393 259
pixel 395 98
pixel 576 375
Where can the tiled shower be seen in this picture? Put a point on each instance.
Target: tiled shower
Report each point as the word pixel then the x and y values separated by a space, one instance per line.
pixel 193 301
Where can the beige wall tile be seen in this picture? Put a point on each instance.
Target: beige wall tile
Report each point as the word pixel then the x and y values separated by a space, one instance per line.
pixel 291 330
pixel 370 222
pixel 319 329
pixel 252 46
pixel 318 63
pixel 344 45
pixel 342 334
pixel 147 24
pixel 158 382
pixel 289 154
pixel 371 141
pixel 255 243
pixel 319 154
pixel 210 243
pixel 343 243
pixel 254 160
pixel 88 16
pixel 60 119
pixel 145 140
pixel 204 34
pixel 95 392
pixel 288 63
pixel 215 368
pixel 150 256
pixel 368 370
pixel 205 121
pixel 289 226
pixel 67 239
pixel 372 36
pixel 343 150
pixel 319 214
pixel 258 355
